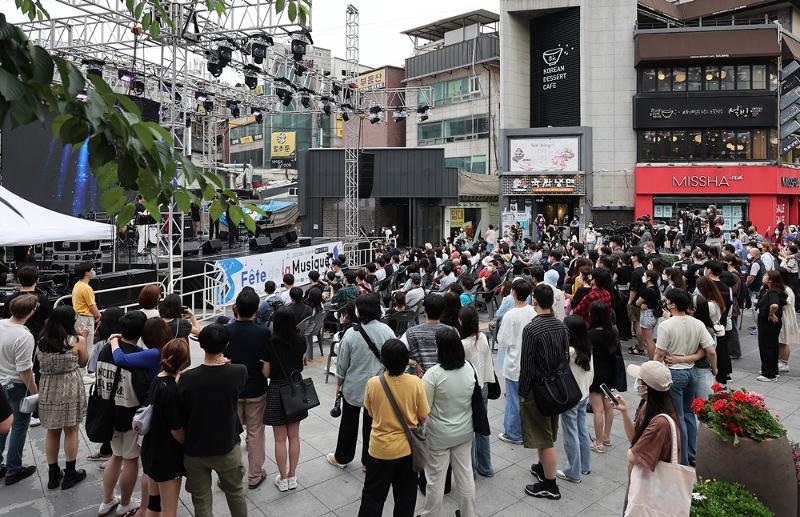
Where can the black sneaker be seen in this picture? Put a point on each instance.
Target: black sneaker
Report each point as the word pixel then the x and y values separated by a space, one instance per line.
pixel 538 471
pixel 72 479
pixel 55 477
pixel 23 473
pixel 544 490
pixel 2 471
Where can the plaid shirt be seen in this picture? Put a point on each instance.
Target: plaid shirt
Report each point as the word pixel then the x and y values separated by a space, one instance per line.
pixel 595 295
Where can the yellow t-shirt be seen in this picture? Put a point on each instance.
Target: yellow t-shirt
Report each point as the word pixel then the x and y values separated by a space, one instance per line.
pixel 387 440
pixel 82 298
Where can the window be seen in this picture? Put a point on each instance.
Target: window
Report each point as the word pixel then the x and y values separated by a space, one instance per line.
pixel 699 145
pixel 677 143
pixel 649 80
pixel 664 76
pixel 454 130
pixel 712 77
pixel 759 144
pixel 679 79
pixel 759 77
pixel 743 77
pixel 773 77
pixel 456 90
pixel 475 164
pixel 743 147
pixel 695 76
pixel 694 145
pixel 647 146
pixel 708 78
pixel 254 157
pixel 727 77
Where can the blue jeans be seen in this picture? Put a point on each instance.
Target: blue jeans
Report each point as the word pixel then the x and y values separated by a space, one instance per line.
pixel 511 420
pixel 576 441
pixel 489 247
pixel 684 385
pixel 481 453
pixel 15 392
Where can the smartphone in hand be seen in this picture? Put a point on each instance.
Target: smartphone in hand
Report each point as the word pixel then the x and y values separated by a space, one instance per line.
pixel 607 392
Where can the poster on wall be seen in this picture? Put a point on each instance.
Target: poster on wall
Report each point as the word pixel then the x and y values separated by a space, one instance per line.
pixel 254 270
pixel 544 154
pixel 283 149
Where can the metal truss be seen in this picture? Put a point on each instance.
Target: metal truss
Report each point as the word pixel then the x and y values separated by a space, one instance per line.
pixel 351 132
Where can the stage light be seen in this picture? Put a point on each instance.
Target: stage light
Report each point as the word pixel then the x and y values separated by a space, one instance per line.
pixel 423 112
pixel 399 115
pixel 326 105
pixel 336 88
pixel 125 75
pixel 258 113
pixel 299 70
pixel 93 66
pixel 284 89
pixel 375 114
pixel 345 107
pixel 137 86
pixel 82 95
pixel 167 88
pixel 213 66
pixel 251 73
pixel 259 45
pixel 306 96
pixel 208 106
pixel 200 97
pixel 224 53
pixel 233 107
pixel 345 116
pixel 300 41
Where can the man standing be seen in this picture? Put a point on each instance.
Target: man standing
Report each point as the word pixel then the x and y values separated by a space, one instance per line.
pixel 636 286
pixel 123 466
pixel 545 345
pixel 678 336
pixel 143 222
pixel 421 339
pixel 88 315
pixel 554 260
pixel 491 238
pixel 210 395
pixel 509 338
pixel 248 343
pixel 28 277
pixel 16 377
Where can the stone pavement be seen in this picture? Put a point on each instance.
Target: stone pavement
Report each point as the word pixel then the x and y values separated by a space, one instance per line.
pixel 327 491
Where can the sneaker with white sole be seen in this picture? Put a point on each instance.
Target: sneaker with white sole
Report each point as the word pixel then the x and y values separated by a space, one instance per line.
pixel 281 484
pixel 561 475
pixel 331 457
pixel 783 366
pixel 107 508
pixel 761 378
pixel 505 438
pixel 35 422
pixel 292 482
pixel 129 508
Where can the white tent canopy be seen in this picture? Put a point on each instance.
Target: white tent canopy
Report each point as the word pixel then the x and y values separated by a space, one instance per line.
pixel 24 223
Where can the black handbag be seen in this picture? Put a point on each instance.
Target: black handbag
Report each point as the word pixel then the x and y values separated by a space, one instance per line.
pixel 299 394
pixel 100 412
pixel 557 392
pixel 494 389
pixel 480 420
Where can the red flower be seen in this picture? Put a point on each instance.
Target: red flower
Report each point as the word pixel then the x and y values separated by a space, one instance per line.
pixel 739 396
pixel 698 404
pixel 716 406
pixel 717 387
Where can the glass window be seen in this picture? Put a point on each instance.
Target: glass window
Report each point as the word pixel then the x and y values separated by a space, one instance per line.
pixel 429 133
pixel 743 151
pixel 773 77
pixel 694 145
pixel 772 149
pixel 648 141
pixel 759 145
pixel 649 80
pixel 679 79
pixel 728 149
pixel 663 145
pixel 743 77
pixel 695 78
pixel 727 77
pixel 759 77
pixel 478 165
pixel 677 144
pixel 713 145
pixel 664 76
pixel 712 77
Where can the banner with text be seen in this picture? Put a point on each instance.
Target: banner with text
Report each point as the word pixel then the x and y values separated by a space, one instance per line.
pixel 283 149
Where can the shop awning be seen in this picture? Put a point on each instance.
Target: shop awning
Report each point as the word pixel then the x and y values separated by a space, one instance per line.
pixel 477 185
pixel 791 47
pixel 687 45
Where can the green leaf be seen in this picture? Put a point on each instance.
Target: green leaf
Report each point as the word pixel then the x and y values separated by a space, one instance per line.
pixel 130 5
pixel 292 10
pixel 182 199
pixel 11 88
pixel 129 105
pixel 213 178
pixel 302 15
pixel 254 208
pixel 128 173
pixel 280 5
pixel 146 21
pixel 144 135
pixel 113 199
pixel 216 209
pixel 152 206
pixel 22 112
pixel 155 30
pixel 73 130
pixel 59 121
pixel 160 132
pixel 100 85
pixel 137 13
pixel 125 215
pixel 100 151
pixel 249 223
pixel 42 65
pixel 106 174
pixel 236 214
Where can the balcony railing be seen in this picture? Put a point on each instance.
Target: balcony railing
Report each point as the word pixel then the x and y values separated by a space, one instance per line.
pixel 454 56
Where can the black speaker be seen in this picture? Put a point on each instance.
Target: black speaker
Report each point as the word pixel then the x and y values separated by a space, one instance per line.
pixel 304 241
pixel 291 236
pixel 366 174
pixel 212 246
pixel 278 240
pixel 120 279
pixel 262 244
pixel 364 245
pixel 65 246
pixel 191 248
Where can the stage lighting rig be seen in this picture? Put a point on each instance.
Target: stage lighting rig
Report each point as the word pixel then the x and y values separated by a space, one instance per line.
pixel 166 87
pixel 300 41
pixel 399 115
pixel 284 89
pixel 326 104
pixel 201 97
pixel 233 107
pixel 299 70
pixel 94 66
pixel 137 86
pixel 125 75
pixel 251 73
pixel 375 114
pixel 225 52
pixel 258 46
pixel 213 66
pixel 258 113
pixel 208 106
pixel 345 115
pixel 305 97
pixel 423 112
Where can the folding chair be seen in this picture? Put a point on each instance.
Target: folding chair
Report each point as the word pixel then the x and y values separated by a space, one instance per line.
pixel 402 320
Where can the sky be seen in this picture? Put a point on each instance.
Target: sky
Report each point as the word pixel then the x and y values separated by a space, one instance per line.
pixel 381 23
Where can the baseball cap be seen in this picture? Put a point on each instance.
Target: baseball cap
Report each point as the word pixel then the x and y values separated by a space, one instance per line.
pixel 653 373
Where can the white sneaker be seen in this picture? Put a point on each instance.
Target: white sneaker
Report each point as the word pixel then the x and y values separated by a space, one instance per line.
pixel 503 437
pixel 106 508
pixel 132 506
pixel 783 366
pixel 35 422
pixel 292 482
pixel 761 378
pixel 281 484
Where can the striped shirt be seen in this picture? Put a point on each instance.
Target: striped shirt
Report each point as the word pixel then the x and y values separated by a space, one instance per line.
pixel 421 343
pixel 545 345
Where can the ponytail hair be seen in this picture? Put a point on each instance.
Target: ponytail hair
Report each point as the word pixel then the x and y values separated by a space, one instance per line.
pixel 175 356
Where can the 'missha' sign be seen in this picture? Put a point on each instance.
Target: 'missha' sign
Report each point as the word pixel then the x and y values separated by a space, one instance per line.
pixel 704 181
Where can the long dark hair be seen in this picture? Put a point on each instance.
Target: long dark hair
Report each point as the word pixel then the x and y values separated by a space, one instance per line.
pixel 777 285
pixel 452 305
pixel 657 402
pixel 450 351
pixel 470 326
pixel 109 324
pixel 284 330
pixel 600 319
pixel 701 310
pixel 710 291
pixel 578 339
pixel 58 327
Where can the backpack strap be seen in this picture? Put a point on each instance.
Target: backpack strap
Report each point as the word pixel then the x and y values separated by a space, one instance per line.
pixel 369 341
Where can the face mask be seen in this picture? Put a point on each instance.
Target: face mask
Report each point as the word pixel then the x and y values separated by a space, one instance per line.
pixel 664 277
pixel 644 279
pixel 641 388
pixel 357 316
pixel 92 273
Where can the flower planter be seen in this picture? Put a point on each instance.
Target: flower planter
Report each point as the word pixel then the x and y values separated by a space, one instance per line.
pixel 765 468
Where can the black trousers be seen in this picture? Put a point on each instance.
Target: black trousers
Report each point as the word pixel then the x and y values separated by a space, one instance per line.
pixel 734 346
pixel 382 474
pixel 213 229
pixel 724 366
pixel 768 347
pixel 348 434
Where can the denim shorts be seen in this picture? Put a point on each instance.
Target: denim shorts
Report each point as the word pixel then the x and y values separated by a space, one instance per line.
pixel 647 319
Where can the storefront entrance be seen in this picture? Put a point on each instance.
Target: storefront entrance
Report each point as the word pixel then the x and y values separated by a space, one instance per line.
pixel 732 210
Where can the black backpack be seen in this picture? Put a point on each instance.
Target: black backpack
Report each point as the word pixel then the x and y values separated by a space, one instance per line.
pixel 557 392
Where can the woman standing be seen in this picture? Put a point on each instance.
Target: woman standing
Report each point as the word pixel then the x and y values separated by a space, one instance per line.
pixel 477 352
pixel 162 447
pixel 716 309
pixel 673 278
pixel 283 357
pixel 650 302
pixel 449 386
pixel 790 333
pixel 605 345
pixel 109 325
pixel 181 320
pixel 770 314
pixel 699 310
pixel 62 398
pixel 389 463
pixel 356 362
pixel 576 435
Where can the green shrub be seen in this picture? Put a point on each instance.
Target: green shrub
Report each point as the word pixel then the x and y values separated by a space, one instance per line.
pixel 713 498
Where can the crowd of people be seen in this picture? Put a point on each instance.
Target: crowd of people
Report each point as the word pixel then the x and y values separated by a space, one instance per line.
pixel 410 352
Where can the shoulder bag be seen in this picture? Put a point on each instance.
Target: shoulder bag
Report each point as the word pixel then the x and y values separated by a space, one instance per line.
pixel 480 420
pixel 100 412
pixel 666 491
pixel 142 419
pixel 29 404
pixel 299 394
pixel 557 392
pixel 370 343
pixel 416 436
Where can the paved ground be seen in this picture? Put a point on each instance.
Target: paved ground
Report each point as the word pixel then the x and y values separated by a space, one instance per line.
pixel 327 491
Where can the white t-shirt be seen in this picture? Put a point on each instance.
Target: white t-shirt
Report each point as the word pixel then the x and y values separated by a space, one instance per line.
pixel 16 351
pixel 380 274
pixel 682 335
pixel 477 352
pixel 285 297
pixel 510 338
pixel 582 377
pixel 768 260
pixel 491 236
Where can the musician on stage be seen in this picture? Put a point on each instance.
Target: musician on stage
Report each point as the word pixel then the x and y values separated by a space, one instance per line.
pixel 143 221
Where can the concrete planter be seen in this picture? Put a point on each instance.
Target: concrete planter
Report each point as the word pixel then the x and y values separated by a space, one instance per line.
pixel 764 468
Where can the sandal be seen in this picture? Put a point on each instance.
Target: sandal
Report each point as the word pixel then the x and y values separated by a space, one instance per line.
pixel 599 449
pixel 635 351
pixel 607 443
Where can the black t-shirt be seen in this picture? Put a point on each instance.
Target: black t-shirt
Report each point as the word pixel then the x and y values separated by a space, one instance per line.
pixel 209 395
pixel 162 455
pixel 770 297
pixel 493 281
pixel 301 311
pixel 636 281
pixel 691 276
pixel 180 328
pixel 195 211
pixel 132 387
pixel 248 341
pixel 725 291
pixel 5 407
pixel 651 297
pixel 623 275
pixel 281 353
pixel 36 322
